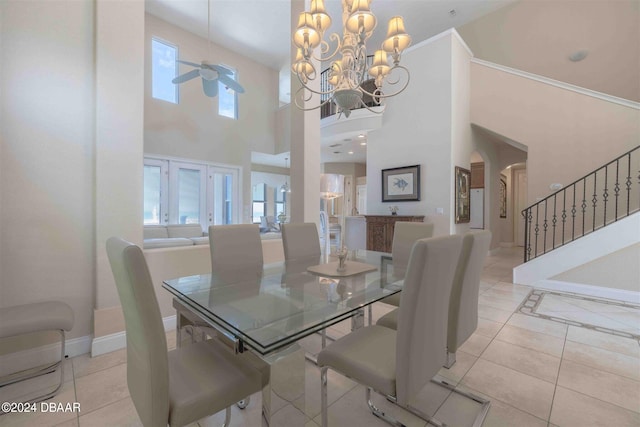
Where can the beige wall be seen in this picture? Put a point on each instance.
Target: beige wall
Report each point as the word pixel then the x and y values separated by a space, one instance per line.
pixel 47 243
pixel 618 270
pixel 193 129
pixel 539 36
pixel 567 134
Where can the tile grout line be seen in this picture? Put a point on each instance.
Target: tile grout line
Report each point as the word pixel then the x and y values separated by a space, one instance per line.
pixel 555 388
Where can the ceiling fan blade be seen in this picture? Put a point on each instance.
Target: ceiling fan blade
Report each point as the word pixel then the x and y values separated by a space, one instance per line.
pixel 193 64
pixel 186 77
pixel 210 87
pixel 230 83
pixel 220 69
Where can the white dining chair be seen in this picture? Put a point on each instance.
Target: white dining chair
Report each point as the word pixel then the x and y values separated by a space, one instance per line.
pixel 181 386
pixel 300 240
pixel 399 363
pixel 463 308
pixel 405 235
pixel 235 246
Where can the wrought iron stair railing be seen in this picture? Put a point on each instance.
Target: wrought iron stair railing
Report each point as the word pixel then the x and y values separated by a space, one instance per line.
pixel 596 200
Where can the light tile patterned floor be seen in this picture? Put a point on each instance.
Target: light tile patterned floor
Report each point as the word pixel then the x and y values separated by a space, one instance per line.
pixel 536 372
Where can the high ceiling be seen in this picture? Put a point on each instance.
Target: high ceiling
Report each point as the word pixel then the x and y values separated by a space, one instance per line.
pixel 260 29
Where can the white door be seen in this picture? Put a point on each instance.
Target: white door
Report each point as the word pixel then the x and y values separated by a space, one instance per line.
pixel 362 199
pixel 521 203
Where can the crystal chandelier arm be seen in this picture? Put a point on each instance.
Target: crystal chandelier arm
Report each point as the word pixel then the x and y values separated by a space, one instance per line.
pixel 377 94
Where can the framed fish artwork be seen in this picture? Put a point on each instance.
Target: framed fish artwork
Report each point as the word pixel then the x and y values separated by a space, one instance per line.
pixel 401 184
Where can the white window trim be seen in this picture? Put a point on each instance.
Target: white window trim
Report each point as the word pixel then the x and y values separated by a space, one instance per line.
pixel 235 94
pixel 164 187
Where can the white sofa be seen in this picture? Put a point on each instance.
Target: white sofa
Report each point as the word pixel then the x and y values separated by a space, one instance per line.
pixel 169 236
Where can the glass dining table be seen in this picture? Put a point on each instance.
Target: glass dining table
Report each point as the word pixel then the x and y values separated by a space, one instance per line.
pixel 263 312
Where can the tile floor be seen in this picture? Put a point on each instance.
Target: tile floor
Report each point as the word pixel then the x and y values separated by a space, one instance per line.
pixel 536 372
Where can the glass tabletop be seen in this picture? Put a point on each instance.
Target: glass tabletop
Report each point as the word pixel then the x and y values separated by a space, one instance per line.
pixel 270 308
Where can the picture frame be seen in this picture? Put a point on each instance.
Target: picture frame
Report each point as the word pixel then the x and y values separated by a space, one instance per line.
pixel 503 196
pixel 462 180
pixel 401 184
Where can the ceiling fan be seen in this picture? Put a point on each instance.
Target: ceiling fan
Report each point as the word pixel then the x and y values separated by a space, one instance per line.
pixel 210 73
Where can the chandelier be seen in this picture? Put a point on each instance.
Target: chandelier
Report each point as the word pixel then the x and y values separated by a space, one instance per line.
pixel 350 71
pixel 284 188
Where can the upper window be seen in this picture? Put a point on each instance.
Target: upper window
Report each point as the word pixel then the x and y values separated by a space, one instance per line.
pixel 227 98
pixel 164 68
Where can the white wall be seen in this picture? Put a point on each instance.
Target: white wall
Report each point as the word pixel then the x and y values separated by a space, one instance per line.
pixel 193 129
pixel 427 124
pixel 47 243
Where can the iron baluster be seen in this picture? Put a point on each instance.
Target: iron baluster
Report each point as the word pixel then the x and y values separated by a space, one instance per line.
pixel 554 220
pixel 584 203
pixel 616 188
pixel 526 233
pixel 530 222
pixel 573 215
pixel 628 183
pixel 564 211
pixel 545 225
pixel 594 200
pixel 605 194
pixel 537 230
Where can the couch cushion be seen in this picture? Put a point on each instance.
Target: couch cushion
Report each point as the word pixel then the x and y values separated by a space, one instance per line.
pixel 166 243
pixel 155 232
pixel 204 240
pixel 184 230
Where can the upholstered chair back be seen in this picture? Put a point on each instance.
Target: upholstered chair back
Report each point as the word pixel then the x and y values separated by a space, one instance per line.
pixel 235 246
pixel 300 240
pixel 463 310
pixel 404 236
pixel 422 318
pixel 147 361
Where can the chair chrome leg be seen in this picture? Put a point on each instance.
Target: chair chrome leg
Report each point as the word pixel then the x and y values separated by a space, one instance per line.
pixel 323 396
pixel 242 404
pixel 380 414
pixel 227 417
pixel 415 411
pixel 486 404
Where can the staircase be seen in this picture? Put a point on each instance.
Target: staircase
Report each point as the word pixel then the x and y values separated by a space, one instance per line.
pixel 599 199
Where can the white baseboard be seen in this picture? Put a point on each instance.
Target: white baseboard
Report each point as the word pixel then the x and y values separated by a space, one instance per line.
pixel 507 244
pixel 30 358
pixel 596 291
pixel 113 342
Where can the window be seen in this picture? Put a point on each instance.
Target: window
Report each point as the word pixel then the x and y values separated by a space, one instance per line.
pixel 183 192
pixel 281 200
pixel 227 98
pixel 164 68
pixel 155 184
pixel 259 202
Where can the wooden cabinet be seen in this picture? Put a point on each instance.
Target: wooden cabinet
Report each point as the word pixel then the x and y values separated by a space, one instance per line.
pixel 380 230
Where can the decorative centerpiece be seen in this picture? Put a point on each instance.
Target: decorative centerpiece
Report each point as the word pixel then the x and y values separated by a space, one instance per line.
pixel 342 258
pixel 394 210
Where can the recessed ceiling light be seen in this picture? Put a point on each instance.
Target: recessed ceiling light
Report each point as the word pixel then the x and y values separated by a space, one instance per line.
pixel 349 152
pixel 361 135
pixel 578 55
pixel 363 143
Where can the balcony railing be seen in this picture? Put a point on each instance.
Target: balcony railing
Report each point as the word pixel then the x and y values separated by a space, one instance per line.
pixel 329 109
pixel 596 200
